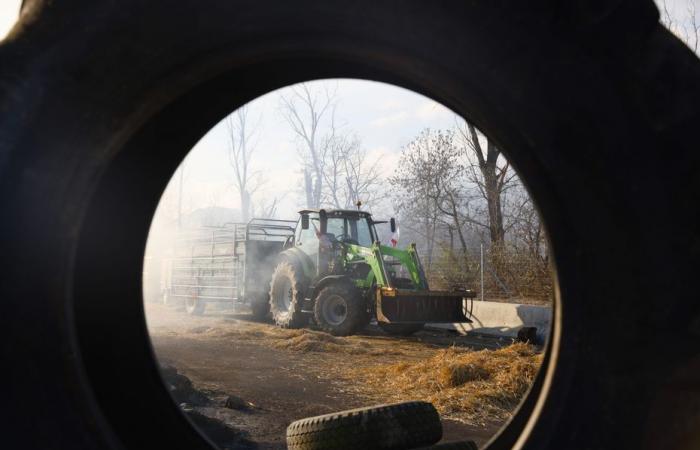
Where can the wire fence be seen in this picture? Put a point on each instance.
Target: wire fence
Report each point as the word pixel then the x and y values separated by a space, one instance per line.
pixel 503 274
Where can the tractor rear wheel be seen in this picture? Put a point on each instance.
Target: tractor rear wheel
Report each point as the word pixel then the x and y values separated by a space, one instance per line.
pixel 286 296
pixel 401 329
pixel 340 310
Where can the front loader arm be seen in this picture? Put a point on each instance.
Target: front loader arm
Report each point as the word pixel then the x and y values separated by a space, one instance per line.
pixel 408 259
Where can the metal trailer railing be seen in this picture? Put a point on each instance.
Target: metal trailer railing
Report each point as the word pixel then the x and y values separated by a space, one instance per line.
pixel 215 264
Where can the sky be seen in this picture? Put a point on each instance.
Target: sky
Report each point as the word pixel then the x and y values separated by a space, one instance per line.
pixel 384 117
pixel 9 11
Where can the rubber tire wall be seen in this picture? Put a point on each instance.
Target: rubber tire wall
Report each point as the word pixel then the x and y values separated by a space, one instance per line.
pixel 595 104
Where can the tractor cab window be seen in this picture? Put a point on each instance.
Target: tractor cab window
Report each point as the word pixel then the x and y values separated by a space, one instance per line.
pixel 308 239
pixel 350 230
pixel 361 231
pixel 336 227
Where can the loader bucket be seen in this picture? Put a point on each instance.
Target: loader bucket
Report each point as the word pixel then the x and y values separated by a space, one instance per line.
pixel 419 306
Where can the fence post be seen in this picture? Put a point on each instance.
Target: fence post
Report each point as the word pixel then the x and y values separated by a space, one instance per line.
pixel 482 272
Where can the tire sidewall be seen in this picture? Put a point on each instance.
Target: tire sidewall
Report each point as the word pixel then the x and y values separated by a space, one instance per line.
pixel 356 309
pixel 293 317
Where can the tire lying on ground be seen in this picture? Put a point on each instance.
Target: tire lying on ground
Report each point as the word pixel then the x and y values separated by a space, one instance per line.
pixel 457 445
pixel 401 329
pixel 286 296
pixel 393 426
pixel 340 310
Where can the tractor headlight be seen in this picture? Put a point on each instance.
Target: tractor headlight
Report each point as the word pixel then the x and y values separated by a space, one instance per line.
pixel 388 292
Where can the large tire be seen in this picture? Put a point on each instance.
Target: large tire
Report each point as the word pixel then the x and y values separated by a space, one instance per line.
pixel 260 308
pixel 194 306
pixel 457 445
pixel 401 329
pixel 395 426
pixel 572 91
pixel 286 296
pixel 340 310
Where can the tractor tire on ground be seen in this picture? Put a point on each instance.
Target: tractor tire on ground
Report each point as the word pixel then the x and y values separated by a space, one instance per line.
pixel 194 306
pixel 401 329
pixel 340 310
pixel 286 296
pixel 260 308
pixel 394 426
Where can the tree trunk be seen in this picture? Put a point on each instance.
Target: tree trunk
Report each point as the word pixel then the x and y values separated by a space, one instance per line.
pixel 493 201
pixel 245 206
pixel 308 189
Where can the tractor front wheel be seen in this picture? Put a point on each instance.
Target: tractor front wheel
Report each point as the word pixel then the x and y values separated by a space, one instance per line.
pixel 401 329
pixel 340 310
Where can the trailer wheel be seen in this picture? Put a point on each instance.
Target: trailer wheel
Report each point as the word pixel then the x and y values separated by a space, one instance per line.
pixel 340 310
pixel 395 426
pixel 194 306
pixel 401 329
pixel 286 295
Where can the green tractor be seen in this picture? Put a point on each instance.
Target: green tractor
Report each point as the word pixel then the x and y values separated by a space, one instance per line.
pixel 334 269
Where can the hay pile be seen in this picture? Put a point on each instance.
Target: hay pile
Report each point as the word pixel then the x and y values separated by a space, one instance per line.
pixel 475 387
pixel 300 340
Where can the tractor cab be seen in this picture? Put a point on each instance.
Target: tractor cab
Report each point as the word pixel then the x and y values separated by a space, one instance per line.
pixel 337 225
pixel 325 236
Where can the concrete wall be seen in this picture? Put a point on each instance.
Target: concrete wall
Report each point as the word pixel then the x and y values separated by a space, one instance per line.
pixel 504 319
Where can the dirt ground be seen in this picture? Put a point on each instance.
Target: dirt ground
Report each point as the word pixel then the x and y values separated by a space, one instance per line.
pixel 277 376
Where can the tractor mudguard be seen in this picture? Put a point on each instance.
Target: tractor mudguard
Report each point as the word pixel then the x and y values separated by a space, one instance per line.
pixel 313 290
pixel 294 255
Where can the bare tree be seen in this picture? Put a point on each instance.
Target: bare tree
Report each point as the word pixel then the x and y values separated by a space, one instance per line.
pixel 267 209
pixel 362 177
pixel 526 228
pixel 490 174
pixel 686 26
pixel 429 188
pixel 240 150
pixel 306 111
pixel 349 176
